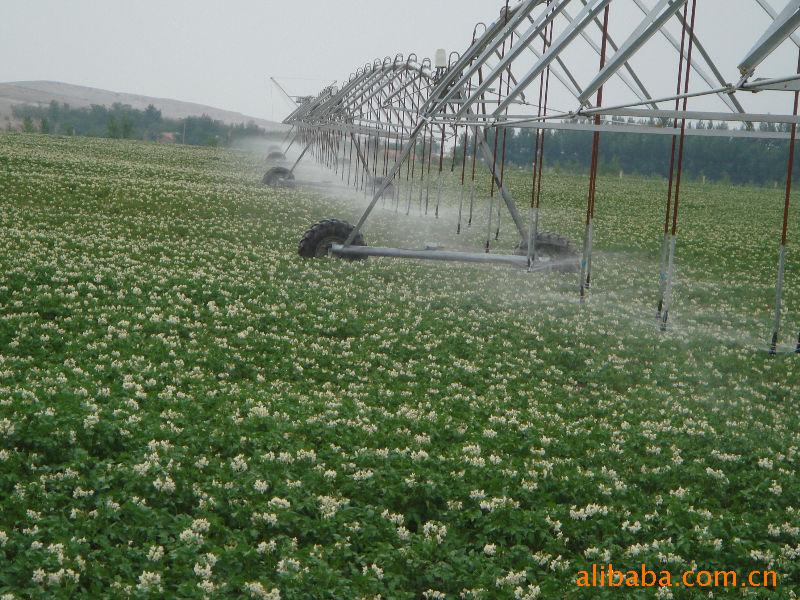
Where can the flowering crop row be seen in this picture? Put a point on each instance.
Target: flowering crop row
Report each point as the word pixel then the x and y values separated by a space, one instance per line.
pixel 189 410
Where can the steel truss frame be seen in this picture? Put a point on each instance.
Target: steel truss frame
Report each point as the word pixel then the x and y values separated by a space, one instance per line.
pixel 484 91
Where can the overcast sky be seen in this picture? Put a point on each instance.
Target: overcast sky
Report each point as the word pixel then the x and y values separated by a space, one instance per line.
pixel 222 53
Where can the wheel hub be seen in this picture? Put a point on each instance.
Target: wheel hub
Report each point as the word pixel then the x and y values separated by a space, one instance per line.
pixel 324 246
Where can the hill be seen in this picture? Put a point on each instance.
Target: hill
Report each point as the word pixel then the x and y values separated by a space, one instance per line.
pixel 41 93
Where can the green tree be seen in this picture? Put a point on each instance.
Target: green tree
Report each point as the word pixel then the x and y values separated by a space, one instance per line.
pixel 112 127
pixel 152 123
pixel 126 127
pixel 123 121
pixel 54 111
pixel 152 115
pixel 44 126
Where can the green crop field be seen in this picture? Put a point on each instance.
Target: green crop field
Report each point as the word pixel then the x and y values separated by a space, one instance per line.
pixel 190 410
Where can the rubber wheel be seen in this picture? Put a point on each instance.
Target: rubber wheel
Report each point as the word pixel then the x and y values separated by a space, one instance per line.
pixel 548 243
pixel 552 244
pixel 277 155
pixel 278 177
pixel 317 241
pixel 554 247
pixel 388 192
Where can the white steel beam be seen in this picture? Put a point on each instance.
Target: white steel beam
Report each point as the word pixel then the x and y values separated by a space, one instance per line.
pixel 782 27
pixel 764 4
pixel 537 28
pixel 653 22
pixel 582 20
pixel 729 100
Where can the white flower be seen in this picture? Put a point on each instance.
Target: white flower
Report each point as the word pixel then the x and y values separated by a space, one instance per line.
pixel 587 512
pixel 664 592
pixel 472 450
pixel 164 484
pixel 494 503
pixel 361 475
pixel 375 569
pixel 200 525
pixel 189 536
pixel 202 570
pixel 207 586
pixel 717 474
pixel 679 493
pixel 434 531
pixel 239 464
pixel 511 578
pixel 530 593
pixel 78 492
pixel 286 565
pixel 632 527
pixel 490 549
pixel 256 590
pixel 280 503
pixel 329 506
pixel 149 582
pixel 6 428
pixel 265 517
pixel 266 547
pixel 155 554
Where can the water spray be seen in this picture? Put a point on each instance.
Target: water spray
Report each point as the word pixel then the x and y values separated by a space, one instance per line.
pixel 668 289
pixel 588 240
pixel 773 349
pixel 390 112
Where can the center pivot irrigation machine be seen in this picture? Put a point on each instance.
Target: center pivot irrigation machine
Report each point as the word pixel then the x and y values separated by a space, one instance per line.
pixel 393 123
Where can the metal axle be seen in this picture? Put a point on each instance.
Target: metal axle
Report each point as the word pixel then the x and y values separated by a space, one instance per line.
pixel 339 250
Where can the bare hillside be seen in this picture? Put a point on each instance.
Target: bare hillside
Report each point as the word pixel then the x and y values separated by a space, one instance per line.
pixel 43 92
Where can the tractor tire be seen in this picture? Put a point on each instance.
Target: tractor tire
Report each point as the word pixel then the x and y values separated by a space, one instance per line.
pixel 278 177
pixel 556 248
pixel 378 182
pixel 317 241
pixel 552 244
pixel 548 243
pixel 276 155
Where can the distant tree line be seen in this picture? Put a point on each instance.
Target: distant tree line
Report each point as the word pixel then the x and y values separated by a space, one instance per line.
pixel 726 159
pixel 121 121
